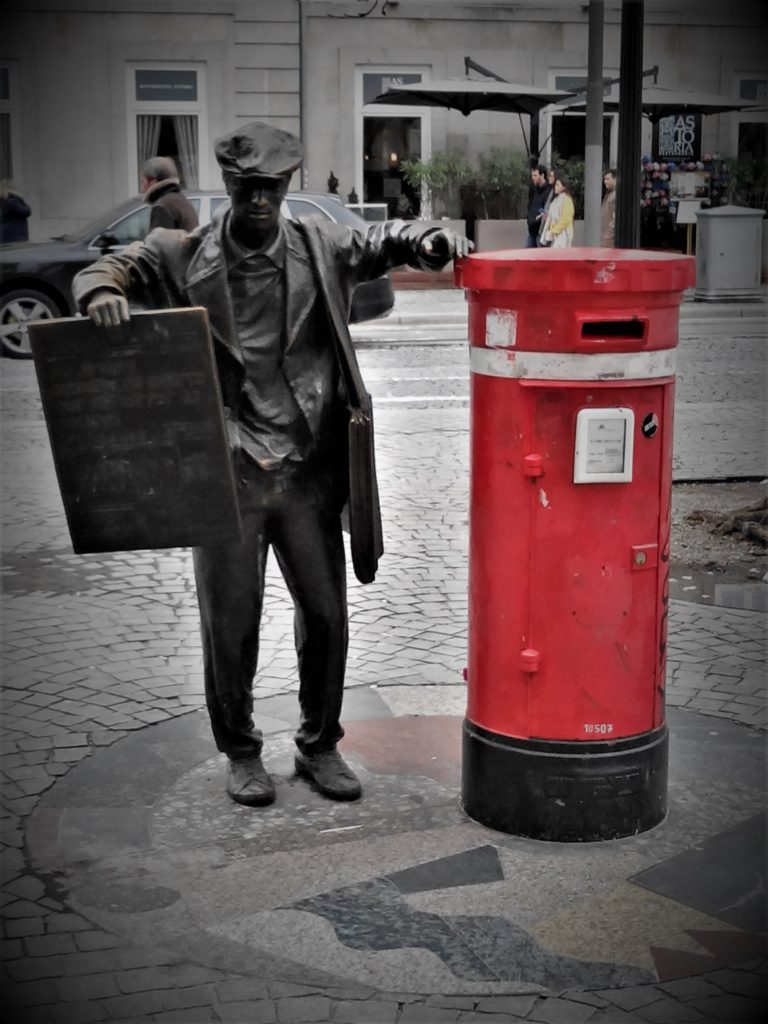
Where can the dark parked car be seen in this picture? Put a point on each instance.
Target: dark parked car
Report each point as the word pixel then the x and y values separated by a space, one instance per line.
pixel 36 277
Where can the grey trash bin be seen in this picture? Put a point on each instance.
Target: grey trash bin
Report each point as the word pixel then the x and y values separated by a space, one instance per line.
pixel 729 254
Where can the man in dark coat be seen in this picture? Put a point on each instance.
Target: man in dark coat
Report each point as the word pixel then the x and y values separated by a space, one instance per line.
pixel 538 193
pixel 162 190
pixel 14 214
pixel 608 209
pixel 278 295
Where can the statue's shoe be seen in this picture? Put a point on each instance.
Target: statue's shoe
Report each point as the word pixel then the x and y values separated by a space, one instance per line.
pixel 330 774
pixel 248 782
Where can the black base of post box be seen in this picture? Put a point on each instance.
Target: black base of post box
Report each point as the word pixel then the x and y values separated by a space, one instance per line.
pixel 565 791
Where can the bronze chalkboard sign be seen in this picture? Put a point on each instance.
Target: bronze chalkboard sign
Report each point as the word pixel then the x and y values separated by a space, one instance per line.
pixel 137 431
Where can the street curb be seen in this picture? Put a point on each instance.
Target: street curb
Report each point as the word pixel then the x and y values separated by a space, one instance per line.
pixel 423 318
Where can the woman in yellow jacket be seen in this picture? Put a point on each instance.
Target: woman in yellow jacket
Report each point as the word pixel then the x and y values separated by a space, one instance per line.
pixel 558 227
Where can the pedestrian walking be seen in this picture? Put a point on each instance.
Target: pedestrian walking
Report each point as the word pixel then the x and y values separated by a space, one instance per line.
pixel 558 227
pixel 608 210
pixel 162 190
pixel 14 214
pixel 538 195
pixel 547 204
pixel 278 293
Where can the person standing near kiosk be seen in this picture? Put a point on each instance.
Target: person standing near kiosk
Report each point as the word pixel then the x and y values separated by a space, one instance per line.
pixel 608 210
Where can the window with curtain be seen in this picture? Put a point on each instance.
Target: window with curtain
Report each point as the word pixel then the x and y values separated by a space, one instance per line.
pixel 173 135
pixel 185 126
pixel 148 136
pixel 167 104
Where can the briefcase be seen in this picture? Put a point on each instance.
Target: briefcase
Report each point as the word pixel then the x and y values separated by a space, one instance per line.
pixel 365 532
pixel 363 513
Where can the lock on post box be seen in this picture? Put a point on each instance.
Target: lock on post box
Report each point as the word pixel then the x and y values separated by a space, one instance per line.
pixel 572 358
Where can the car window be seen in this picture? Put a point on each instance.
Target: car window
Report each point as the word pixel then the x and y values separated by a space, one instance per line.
pixel 135 227
pixel 343 215
pixel 216 202
pixel 132 228
pixel 303 208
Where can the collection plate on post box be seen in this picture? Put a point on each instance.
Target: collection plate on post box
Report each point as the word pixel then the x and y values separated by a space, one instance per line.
pixel 604 446
pixel 137 430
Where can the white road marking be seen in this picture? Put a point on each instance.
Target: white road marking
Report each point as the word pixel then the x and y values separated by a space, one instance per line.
pixel 389 399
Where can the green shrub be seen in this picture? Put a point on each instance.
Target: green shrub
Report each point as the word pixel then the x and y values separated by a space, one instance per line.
pixel 442 177
pixel 496 188
pixel 502 182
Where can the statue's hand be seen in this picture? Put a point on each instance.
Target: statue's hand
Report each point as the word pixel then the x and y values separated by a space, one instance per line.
pixel 107 309
pixel 448 244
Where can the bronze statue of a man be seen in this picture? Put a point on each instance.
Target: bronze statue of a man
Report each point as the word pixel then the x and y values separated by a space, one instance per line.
pixel 276 291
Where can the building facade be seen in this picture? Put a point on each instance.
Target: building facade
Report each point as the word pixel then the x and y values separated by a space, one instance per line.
pixel 88 91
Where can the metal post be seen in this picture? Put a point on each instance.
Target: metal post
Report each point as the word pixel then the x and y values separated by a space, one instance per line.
pixel 302 92
pixel 593 148
pixel 630 126
pixel 534 147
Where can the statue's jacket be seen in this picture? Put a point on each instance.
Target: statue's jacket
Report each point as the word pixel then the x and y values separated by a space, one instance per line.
pixel 172 269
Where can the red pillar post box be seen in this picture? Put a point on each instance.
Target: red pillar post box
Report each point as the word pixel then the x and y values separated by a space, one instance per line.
pixel 572 388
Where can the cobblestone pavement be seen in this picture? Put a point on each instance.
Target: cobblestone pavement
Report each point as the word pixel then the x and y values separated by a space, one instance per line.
pixel 128 877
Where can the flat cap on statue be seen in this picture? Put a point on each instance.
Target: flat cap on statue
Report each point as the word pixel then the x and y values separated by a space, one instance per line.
pixel 258 148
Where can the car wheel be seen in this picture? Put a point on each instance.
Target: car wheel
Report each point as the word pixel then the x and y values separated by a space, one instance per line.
pixel 17 308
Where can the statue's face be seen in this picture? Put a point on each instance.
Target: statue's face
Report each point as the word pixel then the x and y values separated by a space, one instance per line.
pixel 256 204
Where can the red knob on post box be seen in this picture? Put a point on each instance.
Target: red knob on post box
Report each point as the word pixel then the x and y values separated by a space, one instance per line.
pixel 529 660
pixel 572 358
pixel 533 465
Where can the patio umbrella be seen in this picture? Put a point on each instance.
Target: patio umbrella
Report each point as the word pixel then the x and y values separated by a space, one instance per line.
pixel 658 103
pixel 466 95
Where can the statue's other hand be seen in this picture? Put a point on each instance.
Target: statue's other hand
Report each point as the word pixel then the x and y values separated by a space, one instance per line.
pixel 447 243
pixel 107 309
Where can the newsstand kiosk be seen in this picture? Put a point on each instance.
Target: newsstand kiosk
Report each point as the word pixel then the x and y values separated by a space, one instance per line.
pixel 572 389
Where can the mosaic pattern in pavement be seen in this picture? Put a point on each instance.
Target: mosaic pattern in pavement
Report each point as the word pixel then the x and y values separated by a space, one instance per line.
pixel 141 840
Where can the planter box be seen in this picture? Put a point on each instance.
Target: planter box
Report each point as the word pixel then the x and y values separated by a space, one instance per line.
pixel 496 235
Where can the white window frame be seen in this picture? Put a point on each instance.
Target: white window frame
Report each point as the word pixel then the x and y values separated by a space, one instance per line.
pixel 11 107
pixel 379 110
pixel 197 107
pixel 548 113
pixel 739 117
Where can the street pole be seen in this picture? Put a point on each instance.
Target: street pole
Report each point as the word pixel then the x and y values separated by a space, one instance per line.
pixel 593 148
pixel 302 20
pixel 630 126
pixel 534 142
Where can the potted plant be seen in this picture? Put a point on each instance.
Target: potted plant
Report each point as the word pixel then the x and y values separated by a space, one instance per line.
pixel 441 178
pixel 497 199
pixel 495 190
